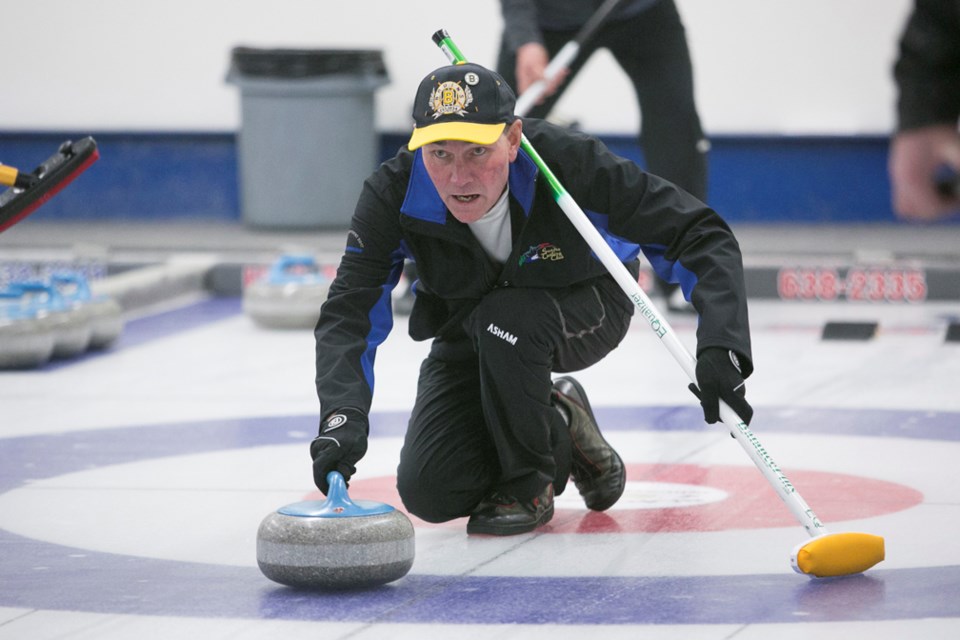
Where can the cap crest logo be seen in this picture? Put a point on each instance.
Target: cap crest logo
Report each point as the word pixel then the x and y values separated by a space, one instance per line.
pixel 450 98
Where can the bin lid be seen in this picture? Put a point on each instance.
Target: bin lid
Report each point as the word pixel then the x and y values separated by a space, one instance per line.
pixel 306 63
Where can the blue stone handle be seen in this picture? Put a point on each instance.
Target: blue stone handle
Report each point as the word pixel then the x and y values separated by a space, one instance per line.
pixel 337 493
pixel 337 505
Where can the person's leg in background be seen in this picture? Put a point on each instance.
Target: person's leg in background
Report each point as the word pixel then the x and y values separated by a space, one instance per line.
pixel 652 49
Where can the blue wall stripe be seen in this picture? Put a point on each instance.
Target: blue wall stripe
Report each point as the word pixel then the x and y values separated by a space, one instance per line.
pixel 170 176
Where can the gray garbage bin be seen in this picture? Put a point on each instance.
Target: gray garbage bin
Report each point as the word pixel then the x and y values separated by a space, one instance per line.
pixel 307 138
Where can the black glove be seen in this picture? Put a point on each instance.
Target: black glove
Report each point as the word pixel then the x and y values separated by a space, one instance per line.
pixel 340 445
pixel 719 378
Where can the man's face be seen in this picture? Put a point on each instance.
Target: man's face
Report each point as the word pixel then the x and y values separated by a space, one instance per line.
pixel 469 177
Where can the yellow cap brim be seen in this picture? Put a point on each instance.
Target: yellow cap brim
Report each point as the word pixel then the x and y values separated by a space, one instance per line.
pixel 464 131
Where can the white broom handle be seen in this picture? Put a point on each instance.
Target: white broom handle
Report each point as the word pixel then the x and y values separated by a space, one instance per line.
pixel 740 430
pixel 561 61
pixel 564 57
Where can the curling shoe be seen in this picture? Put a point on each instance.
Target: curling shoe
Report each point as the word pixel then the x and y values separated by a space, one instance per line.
pixel 503 515
pixel 597 470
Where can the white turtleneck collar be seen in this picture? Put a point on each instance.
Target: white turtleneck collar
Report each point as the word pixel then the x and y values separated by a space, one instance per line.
pixel 493 230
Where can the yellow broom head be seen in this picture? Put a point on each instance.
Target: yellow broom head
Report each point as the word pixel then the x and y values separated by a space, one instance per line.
pixel 838 554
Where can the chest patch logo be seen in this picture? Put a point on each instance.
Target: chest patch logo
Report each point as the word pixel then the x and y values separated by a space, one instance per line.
pixel 543 251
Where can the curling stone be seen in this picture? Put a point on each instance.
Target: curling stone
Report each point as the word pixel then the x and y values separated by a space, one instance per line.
pixel 289 296
pixel 26 342
pixel 70 324
pixel 104 313
pixel 335 544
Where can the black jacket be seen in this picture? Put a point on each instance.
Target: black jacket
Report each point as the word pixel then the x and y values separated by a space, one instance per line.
pixel 400 215
pixel 927 70
pixel 523 20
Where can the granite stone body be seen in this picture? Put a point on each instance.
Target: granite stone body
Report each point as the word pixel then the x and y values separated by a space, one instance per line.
pixel 335 544
pixel 106 321
pixel 335 553
pixel 289 296
pixel 25 343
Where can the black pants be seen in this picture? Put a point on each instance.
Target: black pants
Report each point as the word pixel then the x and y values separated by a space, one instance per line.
pixel 651 47
pixel 483 418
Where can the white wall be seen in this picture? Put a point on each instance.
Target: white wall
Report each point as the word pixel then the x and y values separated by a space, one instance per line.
pixel 762 66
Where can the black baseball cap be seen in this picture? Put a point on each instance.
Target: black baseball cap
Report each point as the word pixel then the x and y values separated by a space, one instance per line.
pixel 461 102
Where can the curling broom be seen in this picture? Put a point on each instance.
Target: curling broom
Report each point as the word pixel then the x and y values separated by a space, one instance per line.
pixel 28 191
pixel 827 554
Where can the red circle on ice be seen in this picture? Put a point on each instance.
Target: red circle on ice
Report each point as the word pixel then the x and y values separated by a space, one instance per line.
pixel 739 498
